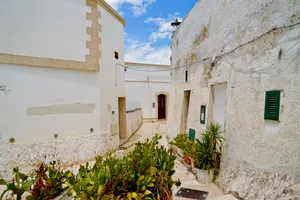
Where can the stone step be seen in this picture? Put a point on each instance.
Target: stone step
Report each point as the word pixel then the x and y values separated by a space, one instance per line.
pixel 224 197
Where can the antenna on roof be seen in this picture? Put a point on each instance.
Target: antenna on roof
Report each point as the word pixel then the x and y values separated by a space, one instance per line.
pixel 176 23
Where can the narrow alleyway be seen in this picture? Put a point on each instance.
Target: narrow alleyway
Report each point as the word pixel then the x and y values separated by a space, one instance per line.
pixel 188 180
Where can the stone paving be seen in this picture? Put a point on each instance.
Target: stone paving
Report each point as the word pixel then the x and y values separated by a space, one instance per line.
pixel 187 178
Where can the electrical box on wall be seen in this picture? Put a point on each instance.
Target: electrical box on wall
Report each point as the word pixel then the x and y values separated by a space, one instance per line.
pixel 202 114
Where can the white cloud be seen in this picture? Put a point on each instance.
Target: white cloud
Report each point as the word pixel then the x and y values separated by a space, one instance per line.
pixel 145 51
pixel 138 7
pixel 137 51
pixel 164 26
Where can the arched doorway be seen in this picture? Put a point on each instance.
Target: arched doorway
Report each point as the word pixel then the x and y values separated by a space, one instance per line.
pixel 161 106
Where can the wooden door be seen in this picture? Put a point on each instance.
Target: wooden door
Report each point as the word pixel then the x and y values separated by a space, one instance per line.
pixel 161 101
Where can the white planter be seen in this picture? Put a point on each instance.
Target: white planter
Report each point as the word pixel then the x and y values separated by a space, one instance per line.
pixel 179 152
pixel 192 163
pixel 64 196
pixel 204 177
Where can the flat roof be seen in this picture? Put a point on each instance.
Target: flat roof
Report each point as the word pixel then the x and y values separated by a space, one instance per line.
pixel 147 64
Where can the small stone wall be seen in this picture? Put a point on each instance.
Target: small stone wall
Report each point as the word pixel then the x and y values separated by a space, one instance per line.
pixel 134 120
pixel 68 151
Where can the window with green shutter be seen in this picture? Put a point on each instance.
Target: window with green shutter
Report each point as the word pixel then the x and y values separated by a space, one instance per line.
pixel 202 114
pixel 192 134
pixel 272 105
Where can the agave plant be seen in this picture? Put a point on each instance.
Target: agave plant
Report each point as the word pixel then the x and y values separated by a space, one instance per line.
pixel 215 131
pixel 205 153
pixel 208 149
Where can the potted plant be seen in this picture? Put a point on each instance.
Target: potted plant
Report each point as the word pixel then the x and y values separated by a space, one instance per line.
pixel 208 153
pixel 205 162
pixel 181 141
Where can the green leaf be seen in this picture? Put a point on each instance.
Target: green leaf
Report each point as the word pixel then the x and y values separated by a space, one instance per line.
pixel 2 182
pixel 11 186
pixel 150 185
pixel 147 192
pixel 26 186
pixel 16 169
pixel 108 197
pixel 30 198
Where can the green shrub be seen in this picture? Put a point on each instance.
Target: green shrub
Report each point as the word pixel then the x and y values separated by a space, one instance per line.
pixel 145 173
pixel 47 183
pixel 182 141
pixel 20 184
pixel 49 180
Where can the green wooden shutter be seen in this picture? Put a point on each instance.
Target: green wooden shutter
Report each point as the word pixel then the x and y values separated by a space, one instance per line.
pixel 202 114
pixel 192 134
pixel 272 105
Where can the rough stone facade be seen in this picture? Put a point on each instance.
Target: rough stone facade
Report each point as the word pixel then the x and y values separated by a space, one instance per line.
pixel 250 47
pixel 258 184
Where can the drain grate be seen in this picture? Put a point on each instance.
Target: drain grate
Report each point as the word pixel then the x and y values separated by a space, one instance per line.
pixel 192 194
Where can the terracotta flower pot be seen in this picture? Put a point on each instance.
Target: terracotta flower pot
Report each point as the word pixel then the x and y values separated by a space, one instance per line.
pixel 187 159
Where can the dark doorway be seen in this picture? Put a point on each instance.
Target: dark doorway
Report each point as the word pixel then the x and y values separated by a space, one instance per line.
pixel 161 106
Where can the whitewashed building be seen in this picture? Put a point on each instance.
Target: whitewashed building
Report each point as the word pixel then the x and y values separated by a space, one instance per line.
pixel 62 95
pixel 237 62
pixel 147 87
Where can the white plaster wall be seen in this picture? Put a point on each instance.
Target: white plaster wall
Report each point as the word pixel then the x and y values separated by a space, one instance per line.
pixel 112 83
pixel 32 87
pixel 142 87
pixel 41 102
pixel 43 28
pixel 250 70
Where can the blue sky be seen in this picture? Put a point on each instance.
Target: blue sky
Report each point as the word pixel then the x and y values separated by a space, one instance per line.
pixel 148 27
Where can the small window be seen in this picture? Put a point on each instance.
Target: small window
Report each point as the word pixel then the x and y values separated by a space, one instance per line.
pixel 202 114
pixel 192 134
pixel 116 55
pixel 186 75
pixel 272 104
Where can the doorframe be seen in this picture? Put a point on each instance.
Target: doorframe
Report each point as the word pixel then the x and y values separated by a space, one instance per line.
pixel 166 103
pixel 183 118
pixel 122 118
pixel 210 113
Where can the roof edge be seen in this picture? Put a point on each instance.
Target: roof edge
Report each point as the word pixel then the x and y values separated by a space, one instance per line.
pixel 112 11
pixel 146 64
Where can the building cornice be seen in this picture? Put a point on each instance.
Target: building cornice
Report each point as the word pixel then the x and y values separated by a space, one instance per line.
pixel 112 11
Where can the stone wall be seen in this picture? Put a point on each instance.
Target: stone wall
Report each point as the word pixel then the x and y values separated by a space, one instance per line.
pixel 68 151
pixel 134 120
pixel 253 47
